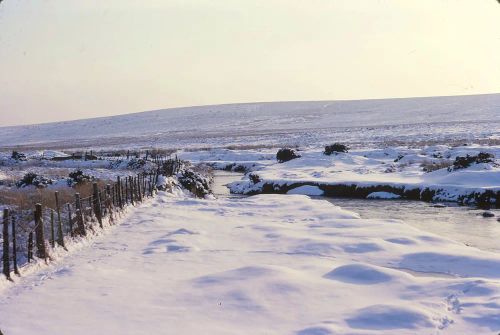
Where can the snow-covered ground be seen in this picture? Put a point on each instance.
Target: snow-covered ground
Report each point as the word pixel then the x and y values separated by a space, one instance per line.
pixel 375 122
pixel 269 264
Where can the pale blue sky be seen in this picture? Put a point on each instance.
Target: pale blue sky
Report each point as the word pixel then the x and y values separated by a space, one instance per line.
pixel 69 59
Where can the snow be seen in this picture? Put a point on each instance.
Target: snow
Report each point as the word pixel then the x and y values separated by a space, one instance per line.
pixel 267 264
pixel 306 190
pixel 398 167
pixel 435 119
pixel 382 195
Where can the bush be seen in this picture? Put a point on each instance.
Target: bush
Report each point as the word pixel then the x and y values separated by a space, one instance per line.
pixel 33 179
pixel 198 184
pixel 335 148
pixel 254 178
pixel 18 156
pixel 78 177
pixel 464 162
pixel 286 154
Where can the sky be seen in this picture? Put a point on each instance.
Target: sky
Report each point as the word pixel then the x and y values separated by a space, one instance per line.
pixel 73 59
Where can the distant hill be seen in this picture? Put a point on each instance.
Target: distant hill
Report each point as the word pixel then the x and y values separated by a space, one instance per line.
pixel 175 126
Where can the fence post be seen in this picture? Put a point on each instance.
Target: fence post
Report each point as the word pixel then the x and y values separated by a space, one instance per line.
pixel 6 258
pixel 79 215
pixel 132 189
pixel 113 194
pixel 97 204
pixel 139 192
pixel 30 246
pixel 109 203
pixel 122 192
pixel 126 190
pixel 60 237
pixel 70 221
pixel 119 191
pixel 14 245
pixel 52 231
pixel 41 252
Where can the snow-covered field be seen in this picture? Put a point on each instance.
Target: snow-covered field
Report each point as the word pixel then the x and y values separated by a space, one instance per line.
pixel 400 168
pixel 268 264
pixel 364 122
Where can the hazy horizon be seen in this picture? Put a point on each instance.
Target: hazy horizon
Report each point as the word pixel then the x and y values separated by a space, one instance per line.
pixel 65 61
pixel 246 103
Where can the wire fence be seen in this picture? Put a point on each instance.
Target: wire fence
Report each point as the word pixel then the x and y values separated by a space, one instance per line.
pixel 26 237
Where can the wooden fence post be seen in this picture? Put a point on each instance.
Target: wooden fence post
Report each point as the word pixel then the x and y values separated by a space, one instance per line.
pixel 132 190
pixel 52 231
pixel 30 246
pixel 41 251
pixel 79 215
pixel 109 203
pixel 6 258
pixel 97 204
pixel 122 193
pixel 70 222
pixel 119 193
pixel 113 194
pixel 126 190
pixel 139 192
pixel 60 237
pixel 14 245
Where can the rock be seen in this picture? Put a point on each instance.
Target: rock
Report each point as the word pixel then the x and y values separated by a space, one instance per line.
pixel 438 205
pixel 488 214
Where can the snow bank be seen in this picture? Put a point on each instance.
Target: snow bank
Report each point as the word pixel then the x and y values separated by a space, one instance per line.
pixel 400 171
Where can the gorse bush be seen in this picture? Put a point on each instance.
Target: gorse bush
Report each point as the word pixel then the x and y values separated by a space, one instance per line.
pixel 18 156
pixel 31 178
pixel 78 177
pixel 335 148
pixel 286 154
pixel 464 162
pixel 195 182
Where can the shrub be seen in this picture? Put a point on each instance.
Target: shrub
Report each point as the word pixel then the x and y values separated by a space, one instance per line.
pixel 78 177
pixel 286 154
pixel 335 148
pixel 18 156
pixel 31 178
pixel 464 162
pixel 195 182
pixel 254 178
pixel 400 157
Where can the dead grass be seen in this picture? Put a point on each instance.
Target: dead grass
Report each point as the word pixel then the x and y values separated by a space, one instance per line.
pixel 26 198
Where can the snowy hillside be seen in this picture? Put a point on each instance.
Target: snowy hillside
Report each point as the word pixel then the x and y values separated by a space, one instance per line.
pixel 439 118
